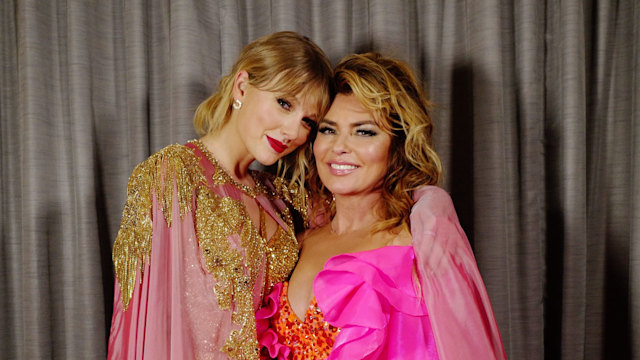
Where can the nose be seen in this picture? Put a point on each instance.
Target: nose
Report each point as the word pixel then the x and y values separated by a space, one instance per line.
pixel 340 143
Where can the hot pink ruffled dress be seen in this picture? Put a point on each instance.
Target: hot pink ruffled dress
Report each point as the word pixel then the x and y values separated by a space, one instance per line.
pixel 372 298
pixel 425 301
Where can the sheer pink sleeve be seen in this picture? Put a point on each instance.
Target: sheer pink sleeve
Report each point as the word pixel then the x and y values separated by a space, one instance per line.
pixel 164 303
pixel 155 323
pixel 172 313
pixel 461 317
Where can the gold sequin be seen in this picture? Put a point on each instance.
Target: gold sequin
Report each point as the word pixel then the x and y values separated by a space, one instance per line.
pixel 218 218
pixel 234 250
pixel 153 177
pixel 294 196
pixel 221 177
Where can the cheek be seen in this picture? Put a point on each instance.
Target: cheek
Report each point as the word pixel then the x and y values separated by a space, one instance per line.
pixel 295 146
pixel 375 153
pixel 319 147
pixel 379 154
pixel 303 135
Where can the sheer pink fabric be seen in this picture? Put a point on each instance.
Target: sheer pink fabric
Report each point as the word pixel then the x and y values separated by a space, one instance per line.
pixel 160 322
pixel 174 312
pixel 463 323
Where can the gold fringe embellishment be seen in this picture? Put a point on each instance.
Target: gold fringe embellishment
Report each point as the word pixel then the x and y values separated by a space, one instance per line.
pixel 153 177
pixel 236 263
pixel 294 196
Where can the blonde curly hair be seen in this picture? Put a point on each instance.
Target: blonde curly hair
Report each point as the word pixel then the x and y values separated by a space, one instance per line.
pixel 389 89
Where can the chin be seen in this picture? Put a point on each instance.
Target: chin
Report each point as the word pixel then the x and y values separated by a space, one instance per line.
pixel 268 162
pixel 267 159
pixel 340 190
pixel 347 190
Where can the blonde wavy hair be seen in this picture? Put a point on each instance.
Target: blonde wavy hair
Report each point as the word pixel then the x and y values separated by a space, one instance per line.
pixel 286 63
pixel 389 89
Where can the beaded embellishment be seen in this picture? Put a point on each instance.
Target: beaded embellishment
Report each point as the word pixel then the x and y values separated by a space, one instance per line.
pixel 154 176
pixel 308 338
pixel 218 220
pixel 222 177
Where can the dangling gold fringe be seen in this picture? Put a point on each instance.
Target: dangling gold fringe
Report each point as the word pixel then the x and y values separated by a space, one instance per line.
pixel 153 177
pixel 291 193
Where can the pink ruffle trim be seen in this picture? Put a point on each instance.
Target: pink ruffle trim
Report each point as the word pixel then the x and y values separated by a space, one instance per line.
pixel 370 295
pixel 267 337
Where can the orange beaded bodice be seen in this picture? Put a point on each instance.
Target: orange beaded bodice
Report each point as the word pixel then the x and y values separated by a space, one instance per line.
pixel 309 338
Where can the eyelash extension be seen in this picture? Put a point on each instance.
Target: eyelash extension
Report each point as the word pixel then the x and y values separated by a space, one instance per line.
pixel 366 132
pixel 284 104
pixel 325 129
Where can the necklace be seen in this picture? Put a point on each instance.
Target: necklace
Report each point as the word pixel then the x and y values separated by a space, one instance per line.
pixel 221 176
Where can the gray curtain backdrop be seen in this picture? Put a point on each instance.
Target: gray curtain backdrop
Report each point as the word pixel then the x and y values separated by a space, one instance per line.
pixel 538 125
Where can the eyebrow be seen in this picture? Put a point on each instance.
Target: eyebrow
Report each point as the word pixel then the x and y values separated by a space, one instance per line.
pixel 325 120
pixel 295 101
pixel 356 124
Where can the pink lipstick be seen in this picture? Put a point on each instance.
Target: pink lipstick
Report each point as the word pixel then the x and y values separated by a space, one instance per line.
pixel 340 168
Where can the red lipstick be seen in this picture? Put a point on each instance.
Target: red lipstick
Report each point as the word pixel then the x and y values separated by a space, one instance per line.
pixel 276 145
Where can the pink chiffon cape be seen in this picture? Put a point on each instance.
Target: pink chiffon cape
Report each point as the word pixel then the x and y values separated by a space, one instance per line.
pixel 462 319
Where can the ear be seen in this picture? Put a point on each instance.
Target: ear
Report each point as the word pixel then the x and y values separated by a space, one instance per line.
pixel 240 83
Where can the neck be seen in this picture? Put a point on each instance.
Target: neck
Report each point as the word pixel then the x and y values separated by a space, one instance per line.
pixel 230 151
pixel 355 212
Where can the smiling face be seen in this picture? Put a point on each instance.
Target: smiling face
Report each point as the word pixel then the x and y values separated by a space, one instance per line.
pixel 272 125
pixel 351 151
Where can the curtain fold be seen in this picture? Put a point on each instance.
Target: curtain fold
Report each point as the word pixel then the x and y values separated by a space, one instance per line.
pixel 537 111
pixel 634 198
pixel 528 249
pixel 10 183
pixel 566 176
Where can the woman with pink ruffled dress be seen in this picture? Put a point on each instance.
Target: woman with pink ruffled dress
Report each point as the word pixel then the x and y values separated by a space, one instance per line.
pixel 390 274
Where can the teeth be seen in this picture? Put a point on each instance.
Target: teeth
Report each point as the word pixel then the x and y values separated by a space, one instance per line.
pixel 343 167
